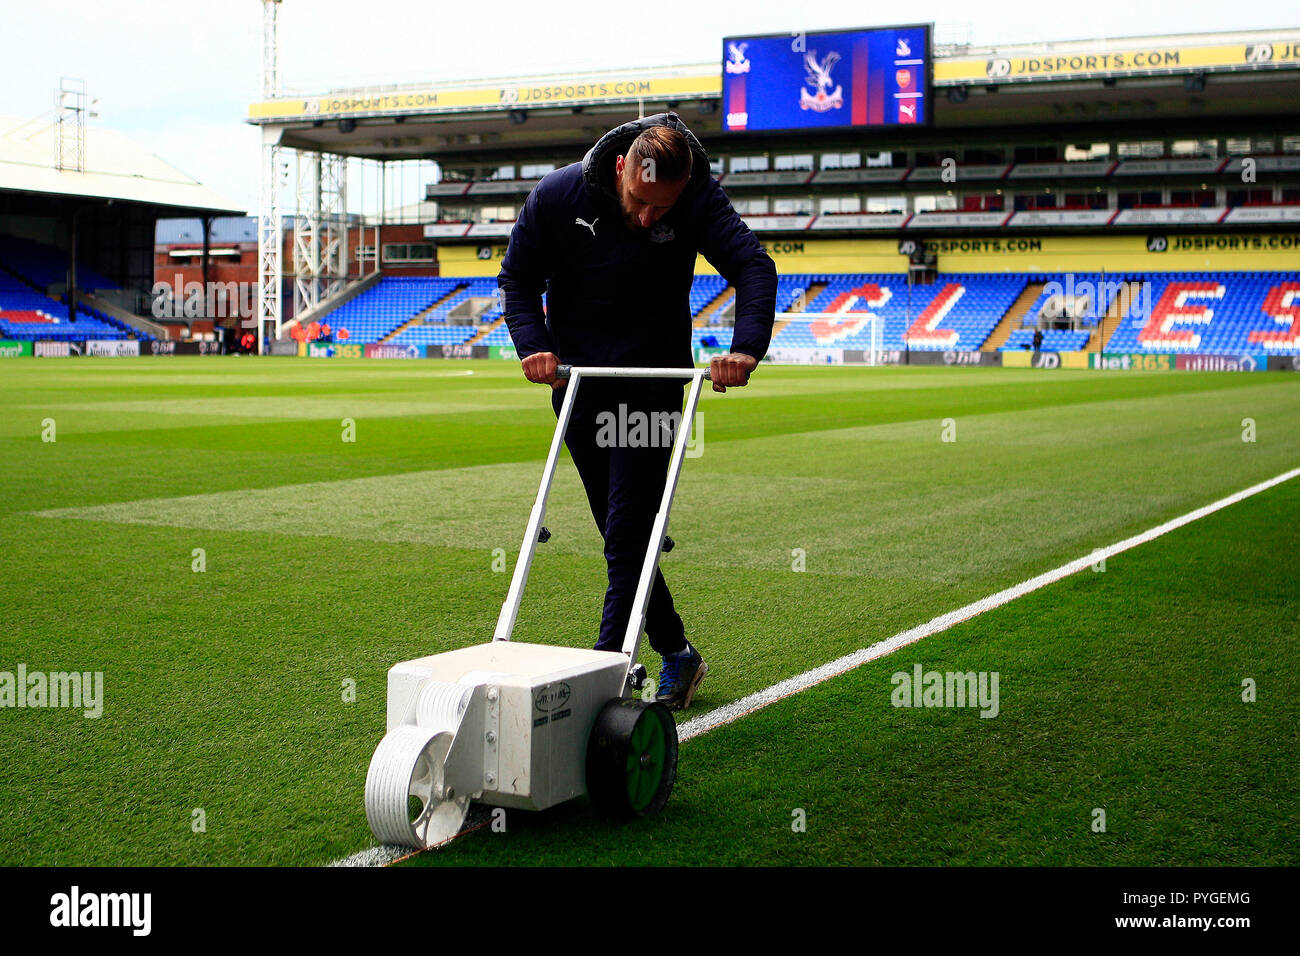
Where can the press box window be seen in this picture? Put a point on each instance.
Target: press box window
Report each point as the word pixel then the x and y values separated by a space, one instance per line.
pixel 396 252
pixel 803 161
pixel 841 160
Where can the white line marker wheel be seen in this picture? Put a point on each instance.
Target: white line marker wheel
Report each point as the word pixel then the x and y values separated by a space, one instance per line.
pixel 631 758
pixel 407 803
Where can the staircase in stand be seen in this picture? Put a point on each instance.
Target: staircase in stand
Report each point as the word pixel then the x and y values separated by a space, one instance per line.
pixel 1115 310
pixel 486 331
pixel 800 304
pixel 716 303
pixel 419 317
pixel 1014 318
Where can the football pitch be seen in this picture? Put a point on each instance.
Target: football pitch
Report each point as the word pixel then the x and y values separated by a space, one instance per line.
pixel 243 547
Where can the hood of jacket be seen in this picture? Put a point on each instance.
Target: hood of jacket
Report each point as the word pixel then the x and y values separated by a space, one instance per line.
pixel 598 164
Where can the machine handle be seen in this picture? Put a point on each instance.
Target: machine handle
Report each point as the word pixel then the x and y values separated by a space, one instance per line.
pixel 596 371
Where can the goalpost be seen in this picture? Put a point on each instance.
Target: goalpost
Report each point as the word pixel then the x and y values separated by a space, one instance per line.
pixel 864 322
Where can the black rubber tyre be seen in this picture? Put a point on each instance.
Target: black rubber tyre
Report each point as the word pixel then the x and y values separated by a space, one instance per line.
pixel 631 759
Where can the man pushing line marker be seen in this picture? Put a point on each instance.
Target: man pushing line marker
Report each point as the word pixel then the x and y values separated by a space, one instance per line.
pixel 612 242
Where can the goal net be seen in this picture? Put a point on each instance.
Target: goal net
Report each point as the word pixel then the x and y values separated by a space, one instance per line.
pixel 829 337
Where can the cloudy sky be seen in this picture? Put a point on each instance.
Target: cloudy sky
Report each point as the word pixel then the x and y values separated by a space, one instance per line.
pixel 178 76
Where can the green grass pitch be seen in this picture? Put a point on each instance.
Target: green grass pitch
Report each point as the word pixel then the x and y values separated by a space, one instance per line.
pixel 326 561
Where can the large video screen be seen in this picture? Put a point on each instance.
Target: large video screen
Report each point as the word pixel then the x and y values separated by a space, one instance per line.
pixel 826 80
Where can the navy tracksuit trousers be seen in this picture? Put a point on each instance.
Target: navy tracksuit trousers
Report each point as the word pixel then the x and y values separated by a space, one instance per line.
pixel 624 480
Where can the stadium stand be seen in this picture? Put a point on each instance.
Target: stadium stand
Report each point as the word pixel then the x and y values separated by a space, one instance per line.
pixel 45 266
pixel 393 301
pixel 956 312
pixel 1215 313
pixel 452 319
pixel 498 336
pixel 1086 295
pixel 27 270
pixel 1054 340
pixel 704 290
pixel 1223 313
pixel 26 314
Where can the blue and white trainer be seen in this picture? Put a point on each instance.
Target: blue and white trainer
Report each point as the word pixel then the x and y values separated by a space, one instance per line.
pixel 680 677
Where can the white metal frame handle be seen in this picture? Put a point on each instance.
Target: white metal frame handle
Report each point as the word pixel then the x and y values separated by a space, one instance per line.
pixel 575 375
pixel 654 549
pixel 510 609
pixel 614 371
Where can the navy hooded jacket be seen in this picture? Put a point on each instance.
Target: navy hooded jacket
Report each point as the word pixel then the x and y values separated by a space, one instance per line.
pixel 614 297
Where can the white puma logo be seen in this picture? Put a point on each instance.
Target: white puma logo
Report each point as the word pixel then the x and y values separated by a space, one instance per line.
pixel 579 221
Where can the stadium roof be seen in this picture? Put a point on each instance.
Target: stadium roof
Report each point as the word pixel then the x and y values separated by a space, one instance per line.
pixel 1055 60
pixel 1129 82
pixel 954 64
pixel 116 169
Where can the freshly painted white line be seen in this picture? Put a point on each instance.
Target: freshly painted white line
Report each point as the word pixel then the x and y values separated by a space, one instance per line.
pixel 727 713
pixel 374 856
pixel 386 854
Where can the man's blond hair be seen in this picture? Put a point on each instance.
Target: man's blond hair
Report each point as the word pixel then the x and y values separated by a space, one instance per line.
pixel 660 154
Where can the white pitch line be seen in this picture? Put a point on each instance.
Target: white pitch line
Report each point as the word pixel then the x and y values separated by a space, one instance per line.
pixel 374 856
pixel 792 685
pixel 728 713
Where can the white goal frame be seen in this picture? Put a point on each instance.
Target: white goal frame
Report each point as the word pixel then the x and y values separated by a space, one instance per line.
pixel 875 321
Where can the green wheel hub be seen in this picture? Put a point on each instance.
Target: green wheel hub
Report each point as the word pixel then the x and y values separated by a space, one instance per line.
pixel 631 758
pixel 645 760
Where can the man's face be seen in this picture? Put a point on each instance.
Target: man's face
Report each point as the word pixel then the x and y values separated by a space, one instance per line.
pixel 645 199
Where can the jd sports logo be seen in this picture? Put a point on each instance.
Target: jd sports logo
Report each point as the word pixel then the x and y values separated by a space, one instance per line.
pixel 579 221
